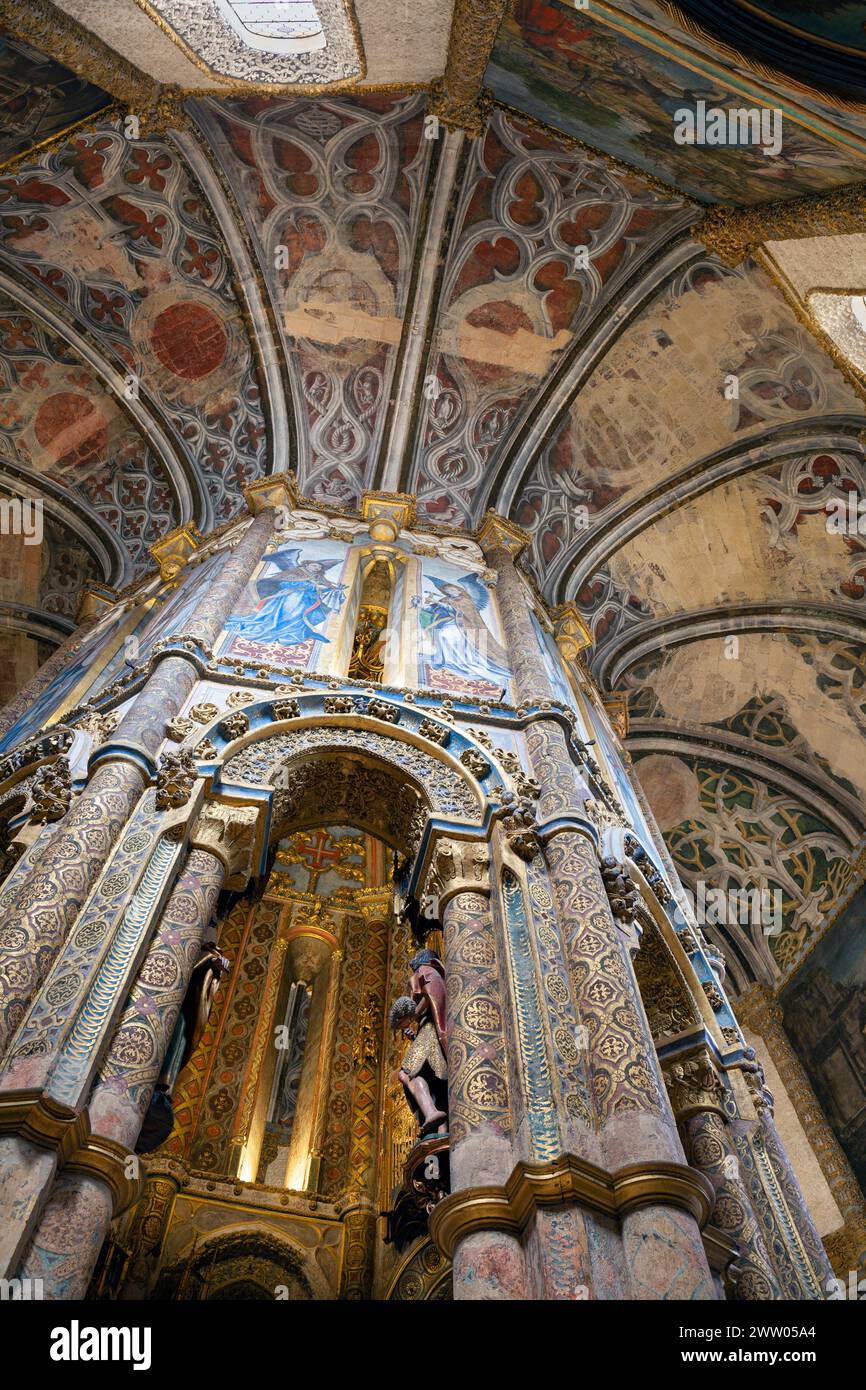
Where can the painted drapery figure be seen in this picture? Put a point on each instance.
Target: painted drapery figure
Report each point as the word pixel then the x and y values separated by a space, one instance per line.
pixel 456 634
pixel 296 598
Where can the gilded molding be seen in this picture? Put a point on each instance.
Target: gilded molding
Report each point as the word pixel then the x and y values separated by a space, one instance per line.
pixel 49 1124
pixel 458 96
pixel 733 233
pixel 568 1179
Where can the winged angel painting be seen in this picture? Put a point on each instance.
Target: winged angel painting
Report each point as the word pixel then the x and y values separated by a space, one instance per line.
pixel 295 600
pixel 459 650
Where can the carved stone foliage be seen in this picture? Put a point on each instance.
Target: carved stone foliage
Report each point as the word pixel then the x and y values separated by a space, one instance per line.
pixel 228 832
pixel 474 763
pixel 434 733
pixel 521 827
pixel 448 793
pixel 235 725
pixel 51 792
pixel 694 1084
pixel 669 1006
pixel 175 779
pixel 622 893
pixel 380 709
pixel 203 713
pixel 29 752
pixel 286 709
pixel 463 862
pixel 178 728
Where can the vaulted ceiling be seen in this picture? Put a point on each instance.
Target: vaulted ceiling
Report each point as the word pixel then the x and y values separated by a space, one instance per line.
pixel 508 298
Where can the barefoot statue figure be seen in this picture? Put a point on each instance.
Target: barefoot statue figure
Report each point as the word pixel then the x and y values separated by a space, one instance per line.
pixel 423 1072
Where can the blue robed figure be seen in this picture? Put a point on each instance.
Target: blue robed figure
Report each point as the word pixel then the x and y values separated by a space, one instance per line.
pixel 295 599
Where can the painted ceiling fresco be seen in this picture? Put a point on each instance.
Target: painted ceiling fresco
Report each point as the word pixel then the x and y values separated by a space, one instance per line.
pixel 39 98
pixel 527 321
pixel 594 82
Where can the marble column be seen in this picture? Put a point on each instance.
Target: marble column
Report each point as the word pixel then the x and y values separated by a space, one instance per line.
pixel 759 1011
pixel 632 1116
pixel 38 912
pixel 488 1264
pixel 75 1220
pixel 697 1096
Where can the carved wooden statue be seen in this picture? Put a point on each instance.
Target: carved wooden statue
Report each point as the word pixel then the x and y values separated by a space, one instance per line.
pixel 423 1072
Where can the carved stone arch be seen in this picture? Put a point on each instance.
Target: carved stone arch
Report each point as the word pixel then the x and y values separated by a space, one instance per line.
pixel 662 963
pixel 253 1256
pixel 671 1006
pixel 424 1275
pixel 349 768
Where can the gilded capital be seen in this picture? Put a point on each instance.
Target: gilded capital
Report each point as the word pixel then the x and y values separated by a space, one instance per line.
pixel 277 490
pixel 388 513
pixel 571 632
pixel 172 551
pixel 498 533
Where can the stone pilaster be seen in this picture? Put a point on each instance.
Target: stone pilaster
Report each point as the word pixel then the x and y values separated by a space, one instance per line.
pixel 77 1215
pixel 149 1225
pixel 632 1116
pixel 758 1010
pixel 697 1095
pixel 488 1264
pixel 39 911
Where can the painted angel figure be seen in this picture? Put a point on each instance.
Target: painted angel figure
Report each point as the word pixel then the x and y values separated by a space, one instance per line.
pixel 296 598
pixel 461 640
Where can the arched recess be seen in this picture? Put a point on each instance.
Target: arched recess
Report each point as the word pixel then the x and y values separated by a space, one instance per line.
pixel 391 769
pixel 241 1263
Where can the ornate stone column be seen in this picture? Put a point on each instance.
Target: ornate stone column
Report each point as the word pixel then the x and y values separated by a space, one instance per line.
pixel 632 1116
pixel 149 1225
pixel 489 1262
pixel 759 1011
pixel 79 1210
pixel 39 910
pixel 697 1095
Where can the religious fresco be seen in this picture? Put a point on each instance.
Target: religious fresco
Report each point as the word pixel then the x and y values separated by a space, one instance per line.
pixel 730 828
pixel 825 1017
pixel 326 860
pixel 332 197
pixel 39 98
pixel 113 232
pixel 616 94
pixel 460 651
pixel 83 675
pixel 544 235
pixel 290 603
pixel 59 421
